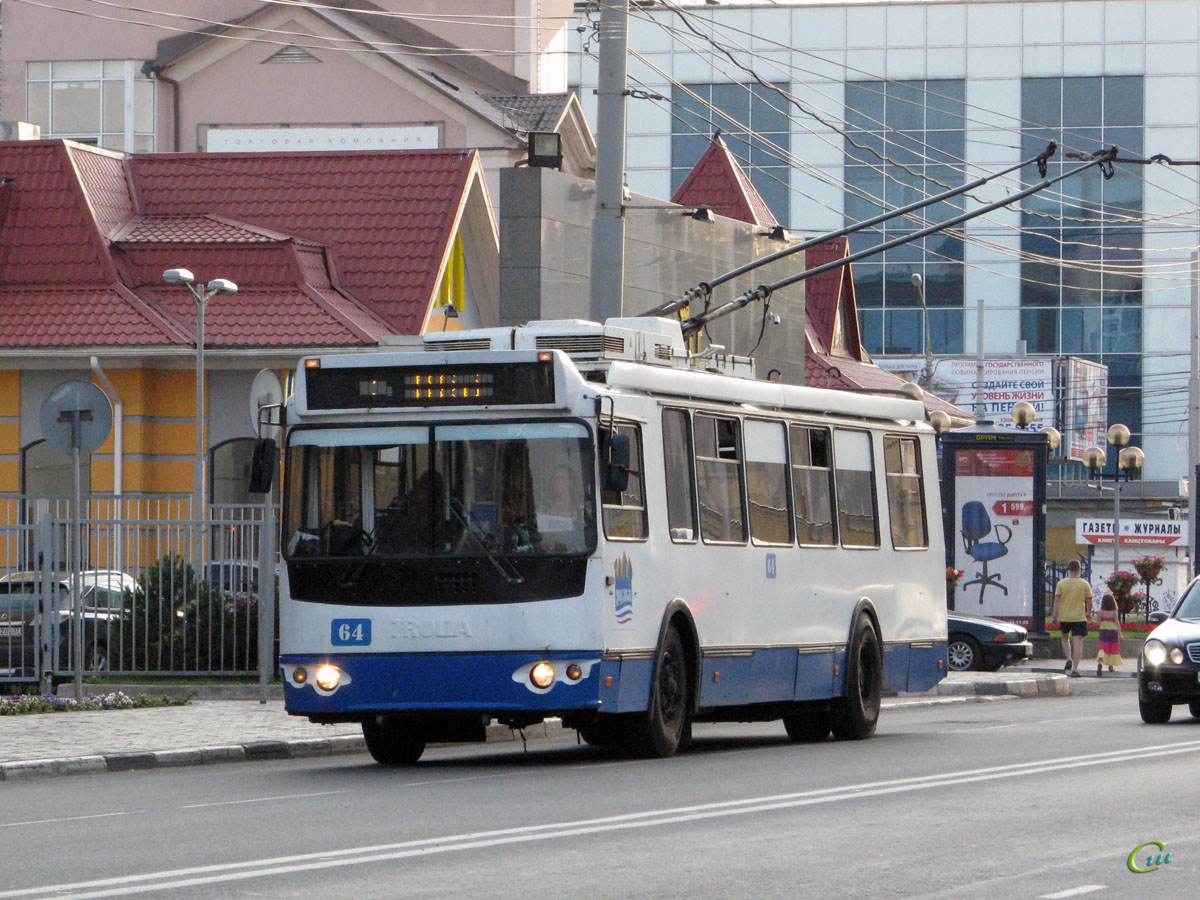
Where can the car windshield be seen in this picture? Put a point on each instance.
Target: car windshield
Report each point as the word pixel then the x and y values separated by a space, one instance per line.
pixel 1189 604
pixel 454 490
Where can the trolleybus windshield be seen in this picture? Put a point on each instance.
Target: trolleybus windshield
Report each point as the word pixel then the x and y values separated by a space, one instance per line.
pixel 472 490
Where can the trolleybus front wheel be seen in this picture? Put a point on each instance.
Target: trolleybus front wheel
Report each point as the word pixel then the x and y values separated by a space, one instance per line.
pixel 853 717
pixel 392 742
pixel 808 724
pixel 665 726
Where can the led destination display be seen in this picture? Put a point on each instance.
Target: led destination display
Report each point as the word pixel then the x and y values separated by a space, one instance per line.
pixel 490 384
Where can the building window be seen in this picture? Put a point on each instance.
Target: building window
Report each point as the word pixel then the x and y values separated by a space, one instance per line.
pixel 904 141
pixel 107 102
pixel 1081 244
pixel 753 121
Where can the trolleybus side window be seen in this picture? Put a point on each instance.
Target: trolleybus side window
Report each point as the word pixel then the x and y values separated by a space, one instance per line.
pixel 906 501
pixel 625 511
pixel 858 518
pixel 719 480
pixel 812 485
pixel 677 470
pixel 766 482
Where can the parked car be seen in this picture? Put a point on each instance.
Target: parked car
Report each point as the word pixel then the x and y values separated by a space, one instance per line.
pixel 235 580
pixel 977 642
pixel 103 596
pixel 1169 664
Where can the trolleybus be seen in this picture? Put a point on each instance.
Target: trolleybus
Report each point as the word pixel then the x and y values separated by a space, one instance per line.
pixel 590 522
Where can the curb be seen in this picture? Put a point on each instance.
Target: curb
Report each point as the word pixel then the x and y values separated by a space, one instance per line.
pixel 252 751
pixel 1041 685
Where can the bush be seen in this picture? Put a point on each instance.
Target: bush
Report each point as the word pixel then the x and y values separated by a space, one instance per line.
pixel 176 622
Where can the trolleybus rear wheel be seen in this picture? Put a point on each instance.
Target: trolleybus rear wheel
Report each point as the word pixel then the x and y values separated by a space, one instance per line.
pixel 665 726
pixel 854 716
pixel 808 724
pixel 391 742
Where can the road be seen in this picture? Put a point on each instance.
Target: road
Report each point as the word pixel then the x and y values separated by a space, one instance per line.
pixel 1009 798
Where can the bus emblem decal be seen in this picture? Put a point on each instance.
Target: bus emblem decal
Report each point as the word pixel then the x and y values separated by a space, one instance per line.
pixel 623 570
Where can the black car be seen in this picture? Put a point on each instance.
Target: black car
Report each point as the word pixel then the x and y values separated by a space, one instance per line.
pixel 1169 665
pixel 977 642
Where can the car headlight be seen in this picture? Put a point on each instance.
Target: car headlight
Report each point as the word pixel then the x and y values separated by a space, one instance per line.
pixel 328 677
pixel 1176 656
pixel 1155 652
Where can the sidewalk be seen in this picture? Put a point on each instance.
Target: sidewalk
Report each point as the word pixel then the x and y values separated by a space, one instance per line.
pixel 235 730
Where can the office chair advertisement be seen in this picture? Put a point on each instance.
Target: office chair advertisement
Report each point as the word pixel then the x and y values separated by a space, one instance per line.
pixel 994 502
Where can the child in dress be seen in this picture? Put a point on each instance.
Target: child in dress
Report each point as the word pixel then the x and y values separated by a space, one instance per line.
pixel 1110 636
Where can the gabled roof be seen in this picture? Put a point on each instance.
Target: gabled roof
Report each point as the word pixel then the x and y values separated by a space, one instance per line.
pixel 718 182
pixel 328 249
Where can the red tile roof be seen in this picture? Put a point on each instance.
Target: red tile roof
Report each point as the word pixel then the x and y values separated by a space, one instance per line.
pixel 333 248
pixel 718 182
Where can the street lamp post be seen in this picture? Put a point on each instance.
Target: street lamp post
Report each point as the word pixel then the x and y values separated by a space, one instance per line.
pixel 1129 461
pixel 201 294
pixel 919 283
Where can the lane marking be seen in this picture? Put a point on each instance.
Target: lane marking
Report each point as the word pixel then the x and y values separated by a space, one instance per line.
pixel 1074 892
pixel 63 819
pixel 176 879
pixel 260 799
pixel 980 728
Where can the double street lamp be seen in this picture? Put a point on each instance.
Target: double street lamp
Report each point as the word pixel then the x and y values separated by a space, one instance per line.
pixel 1129 461
pixel 201 294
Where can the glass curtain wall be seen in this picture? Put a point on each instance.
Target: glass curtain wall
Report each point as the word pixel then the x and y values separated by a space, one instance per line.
pixel 107 102
pixel 904 141
pixel 1081 243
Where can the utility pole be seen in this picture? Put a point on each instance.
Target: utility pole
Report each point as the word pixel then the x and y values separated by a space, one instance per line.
pixel 608 226
pixel 1194 419
pixel 980 406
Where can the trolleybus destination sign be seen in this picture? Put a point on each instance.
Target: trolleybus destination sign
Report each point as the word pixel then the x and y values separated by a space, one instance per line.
pixel 1154 532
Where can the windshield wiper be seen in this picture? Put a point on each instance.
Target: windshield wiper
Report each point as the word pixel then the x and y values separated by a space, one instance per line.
pixel 486 542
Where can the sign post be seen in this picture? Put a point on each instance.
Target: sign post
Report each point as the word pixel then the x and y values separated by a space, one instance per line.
pixel 994 510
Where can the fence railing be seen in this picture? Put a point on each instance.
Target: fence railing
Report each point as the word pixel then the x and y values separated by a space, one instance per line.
pixel 162 593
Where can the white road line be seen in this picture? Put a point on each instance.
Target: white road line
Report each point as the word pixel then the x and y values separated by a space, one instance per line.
pixel 260 799
pixel 1075 891
pixel 63 819
pixel 175 879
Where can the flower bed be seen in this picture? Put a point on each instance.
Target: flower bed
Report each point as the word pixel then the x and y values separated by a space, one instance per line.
pixel 20 704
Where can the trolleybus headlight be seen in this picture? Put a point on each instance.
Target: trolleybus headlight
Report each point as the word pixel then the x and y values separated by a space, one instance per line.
pixel 328 677
pixel 542 675
pixel 300 675
pixel 574 672
pixel 1176 656
pixel 1155 652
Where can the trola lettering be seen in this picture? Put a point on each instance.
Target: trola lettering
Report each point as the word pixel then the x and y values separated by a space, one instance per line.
pixel 430 628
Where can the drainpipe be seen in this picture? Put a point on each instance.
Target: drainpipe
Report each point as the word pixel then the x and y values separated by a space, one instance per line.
pixel 149 67
pixel 118 459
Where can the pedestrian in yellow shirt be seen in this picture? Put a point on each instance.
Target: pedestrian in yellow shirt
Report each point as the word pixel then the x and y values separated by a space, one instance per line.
pixel 1073 612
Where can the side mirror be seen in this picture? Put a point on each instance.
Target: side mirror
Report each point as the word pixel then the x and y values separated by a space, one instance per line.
pixel 1157 618
pixel 614 465
pixel 262 465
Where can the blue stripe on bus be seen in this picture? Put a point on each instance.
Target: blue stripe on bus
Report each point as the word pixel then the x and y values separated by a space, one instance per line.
pixel 463 681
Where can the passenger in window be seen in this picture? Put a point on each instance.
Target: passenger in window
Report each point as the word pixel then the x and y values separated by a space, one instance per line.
pixel 560 513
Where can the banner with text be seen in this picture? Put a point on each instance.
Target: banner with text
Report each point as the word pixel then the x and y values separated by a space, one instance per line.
pixel 1150 532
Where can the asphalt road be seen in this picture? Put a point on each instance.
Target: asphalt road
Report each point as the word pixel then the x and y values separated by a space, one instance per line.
pixel 1013 798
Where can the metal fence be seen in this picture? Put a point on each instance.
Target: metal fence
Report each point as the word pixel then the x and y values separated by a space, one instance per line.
pixel 161 592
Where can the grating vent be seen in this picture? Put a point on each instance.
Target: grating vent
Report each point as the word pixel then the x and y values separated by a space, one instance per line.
pixel 464 583
pixel 292 54
pixel 582 344
pixel 662 351
pixel 464 344
pixel 1193 652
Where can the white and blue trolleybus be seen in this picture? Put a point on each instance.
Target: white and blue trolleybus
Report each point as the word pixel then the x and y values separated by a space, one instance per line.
pixel 592 523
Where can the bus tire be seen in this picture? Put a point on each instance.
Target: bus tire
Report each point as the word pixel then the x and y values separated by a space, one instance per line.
pixel 390 742
pixel 808 724
pixel 854 716
pixel 664 727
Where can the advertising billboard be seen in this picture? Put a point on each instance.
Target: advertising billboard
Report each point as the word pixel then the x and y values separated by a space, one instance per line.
pixel 1085 406
pixel 1005 381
